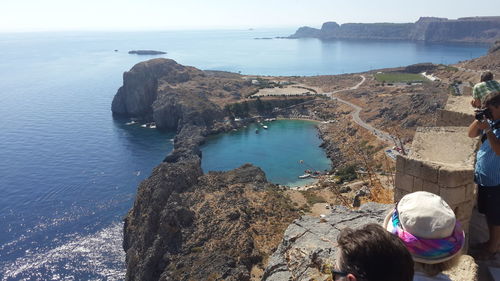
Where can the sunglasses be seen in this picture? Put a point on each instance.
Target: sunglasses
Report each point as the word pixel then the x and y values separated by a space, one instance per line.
pixel 338 274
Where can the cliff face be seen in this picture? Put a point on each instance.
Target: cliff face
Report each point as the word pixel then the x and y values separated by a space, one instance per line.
pixel 173 95
pixel 429 29
pixel 140 85
pixel 189 226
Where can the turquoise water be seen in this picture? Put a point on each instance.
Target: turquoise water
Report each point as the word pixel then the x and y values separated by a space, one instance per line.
pixel 69 171
pixel 277 150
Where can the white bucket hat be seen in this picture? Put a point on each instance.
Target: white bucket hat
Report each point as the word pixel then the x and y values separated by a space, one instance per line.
pixel 427 226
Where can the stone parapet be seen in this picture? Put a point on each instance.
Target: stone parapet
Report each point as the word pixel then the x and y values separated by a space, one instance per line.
pixel 458 112
pixel 441 162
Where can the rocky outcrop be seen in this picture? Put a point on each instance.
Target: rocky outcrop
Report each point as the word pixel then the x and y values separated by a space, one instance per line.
pixel 173 95
pixel 309 243
pixel 306 31
pixel 188 226
pixel 429 29
pixel 142 84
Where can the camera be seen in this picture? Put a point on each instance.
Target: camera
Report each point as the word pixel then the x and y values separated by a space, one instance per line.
pixel 481 113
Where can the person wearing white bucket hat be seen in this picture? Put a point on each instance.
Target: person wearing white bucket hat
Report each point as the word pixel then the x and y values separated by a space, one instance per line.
pixel 428 228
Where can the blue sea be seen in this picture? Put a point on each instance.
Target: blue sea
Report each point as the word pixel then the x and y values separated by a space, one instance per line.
pixel 69 171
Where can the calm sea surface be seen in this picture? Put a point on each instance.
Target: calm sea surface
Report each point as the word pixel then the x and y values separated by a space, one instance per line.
pixel 69 171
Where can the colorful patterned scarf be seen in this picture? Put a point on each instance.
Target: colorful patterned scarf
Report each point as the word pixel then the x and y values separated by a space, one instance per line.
pixel 429 249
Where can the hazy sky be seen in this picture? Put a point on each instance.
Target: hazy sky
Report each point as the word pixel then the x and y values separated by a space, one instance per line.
pixel 38 15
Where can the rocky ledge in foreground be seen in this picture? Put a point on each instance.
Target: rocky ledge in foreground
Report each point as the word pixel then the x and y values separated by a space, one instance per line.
pixel 309 243
pixel 308 249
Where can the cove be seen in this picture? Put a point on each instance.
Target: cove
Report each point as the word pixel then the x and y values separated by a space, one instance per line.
pixel 277 150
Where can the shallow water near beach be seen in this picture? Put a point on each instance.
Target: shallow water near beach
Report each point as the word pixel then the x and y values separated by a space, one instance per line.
pixel 69 171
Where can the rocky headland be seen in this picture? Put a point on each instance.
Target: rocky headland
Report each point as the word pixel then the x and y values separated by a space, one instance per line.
pixel 427 29
pixel 188 226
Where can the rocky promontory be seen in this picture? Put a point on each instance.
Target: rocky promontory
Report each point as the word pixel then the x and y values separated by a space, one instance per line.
pixel 188 226
pixel 428 29
pixel 158 90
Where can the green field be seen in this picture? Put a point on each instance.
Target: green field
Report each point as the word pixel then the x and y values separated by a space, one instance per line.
pixel 398 77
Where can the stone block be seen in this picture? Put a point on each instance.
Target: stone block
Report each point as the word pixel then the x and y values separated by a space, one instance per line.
pixel 417 184
pixel 453 196
pixel 465 226
pixel 404 182
pixel 413 167
pixel 430 187
pixel 430 171
pixel 400 163
pixel 454 177
pixel 463 211
pixel 471 191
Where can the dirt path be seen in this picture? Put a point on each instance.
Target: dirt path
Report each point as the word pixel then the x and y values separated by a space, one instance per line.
pixel 384 136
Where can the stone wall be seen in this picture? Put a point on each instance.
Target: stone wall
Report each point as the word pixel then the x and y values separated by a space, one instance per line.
pixel 458 112
pixel 442 161
pixel 455 185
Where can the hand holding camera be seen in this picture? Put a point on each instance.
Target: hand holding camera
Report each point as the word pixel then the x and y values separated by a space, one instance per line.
pixel 481 114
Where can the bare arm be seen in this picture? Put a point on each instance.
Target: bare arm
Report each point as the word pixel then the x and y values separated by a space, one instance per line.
pixel 476 127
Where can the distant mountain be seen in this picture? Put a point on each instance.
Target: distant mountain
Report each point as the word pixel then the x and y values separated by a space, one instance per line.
pixel 429 29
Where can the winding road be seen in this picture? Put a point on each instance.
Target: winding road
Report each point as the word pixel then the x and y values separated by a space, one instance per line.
pixel 355 114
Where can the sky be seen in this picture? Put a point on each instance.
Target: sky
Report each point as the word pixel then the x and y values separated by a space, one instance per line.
pixel 127 15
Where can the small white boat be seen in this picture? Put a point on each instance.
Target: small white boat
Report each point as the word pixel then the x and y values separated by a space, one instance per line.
pixel 131 123
pixel 152 126
pixel 304 176
pixel 144 125
pixel 265 127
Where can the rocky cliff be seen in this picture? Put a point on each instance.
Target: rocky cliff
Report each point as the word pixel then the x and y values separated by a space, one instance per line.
pixel 173 95
pixel 188 226
pixel 429 29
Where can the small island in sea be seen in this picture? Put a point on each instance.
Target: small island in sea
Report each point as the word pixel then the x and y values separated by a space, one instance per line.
pixel 146 52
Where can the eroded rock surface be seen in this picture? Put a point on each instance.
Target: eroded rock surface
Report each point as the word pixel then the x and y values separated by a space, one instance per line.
pixel 188 226
pixel 309 243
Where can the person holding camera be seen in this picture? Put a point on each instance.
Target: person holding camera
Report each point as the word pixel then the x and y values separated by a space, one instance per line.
pixel 483 88
pixel 487 169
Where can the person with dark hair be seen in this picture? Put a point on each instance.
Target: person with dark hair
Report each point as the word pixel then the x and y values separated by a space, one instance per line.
pixel 372 254
pixel 487 171
pixel 427 226
pixel 483 88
